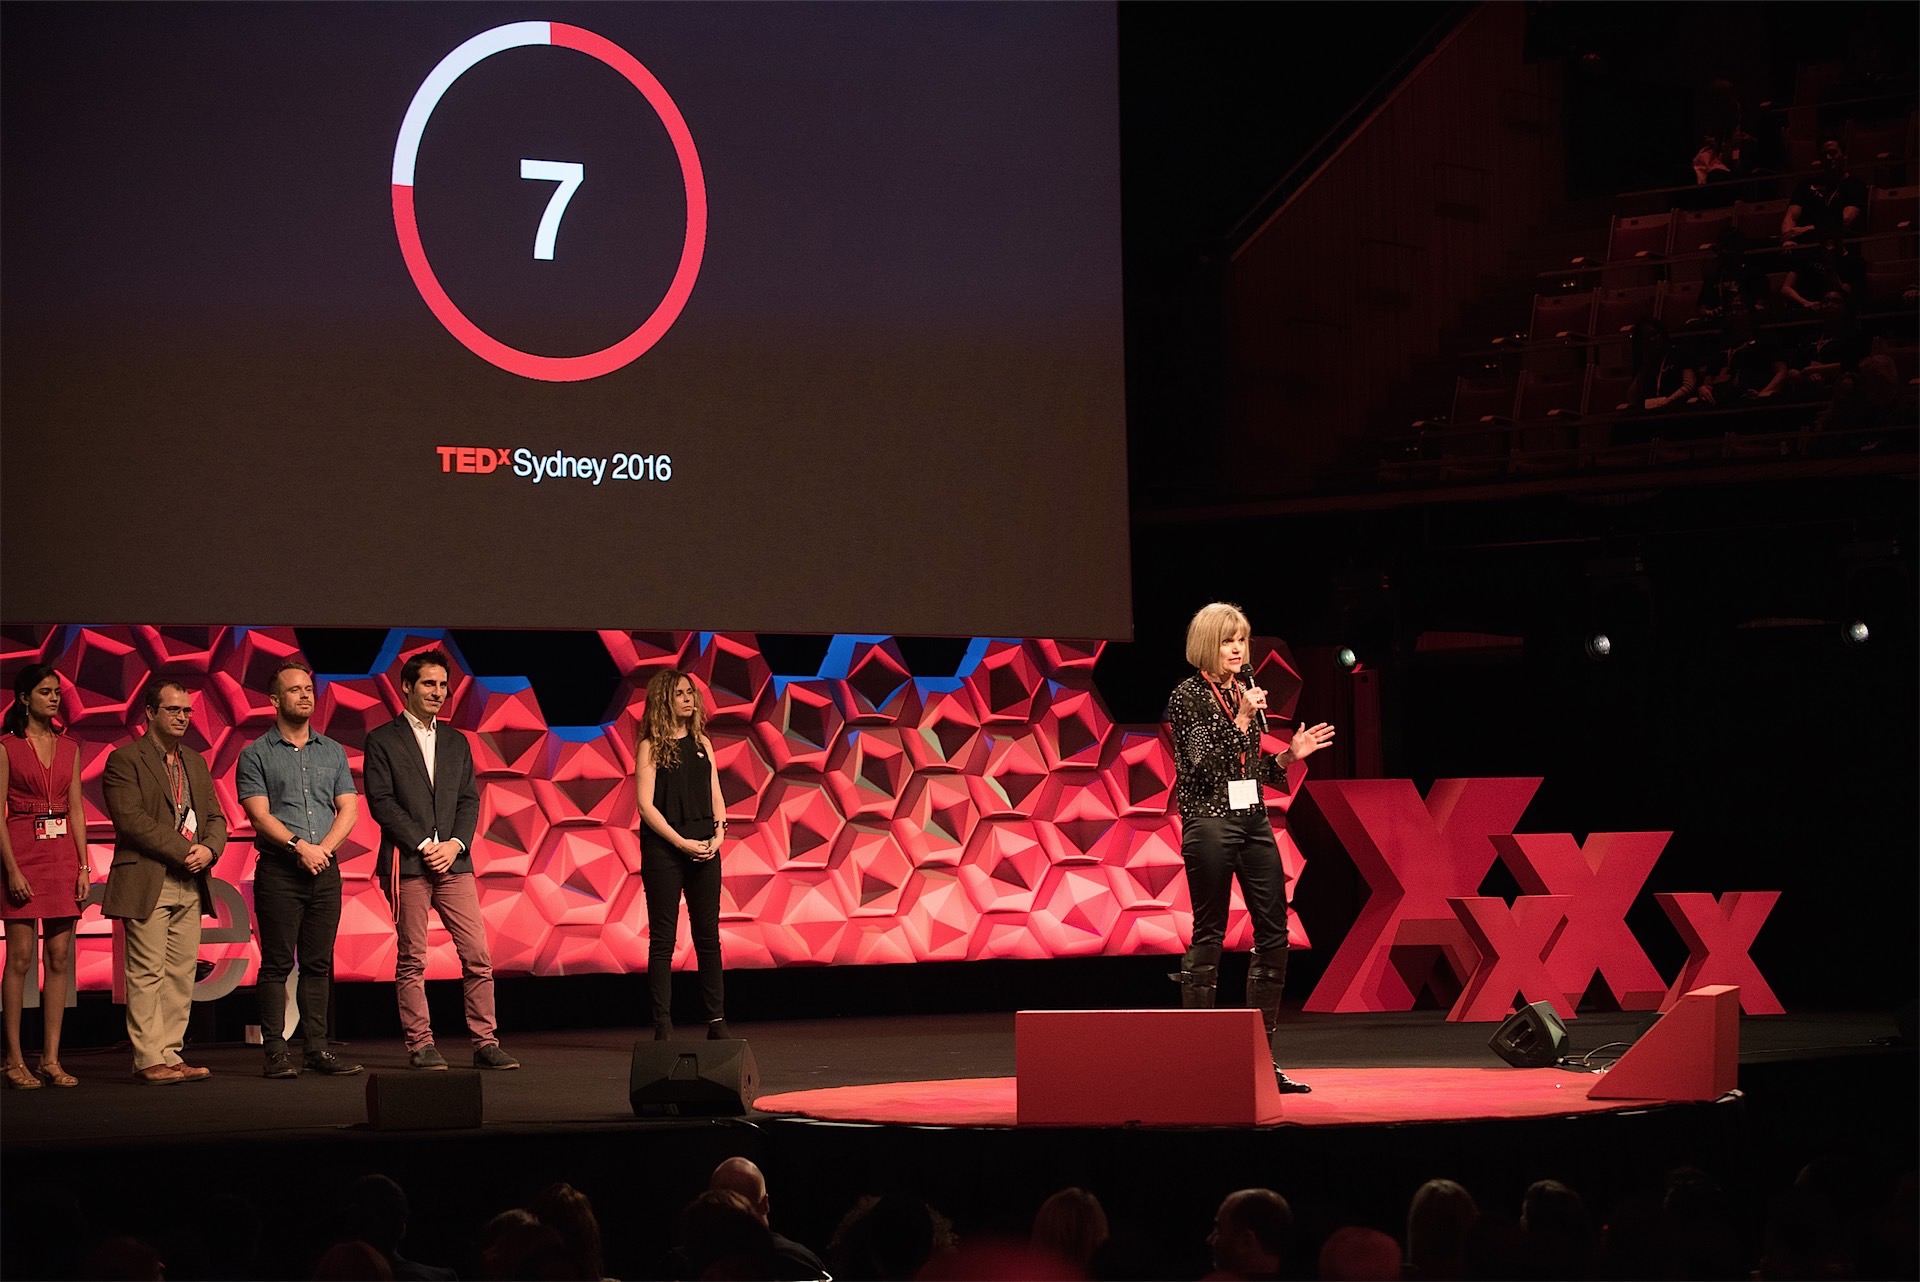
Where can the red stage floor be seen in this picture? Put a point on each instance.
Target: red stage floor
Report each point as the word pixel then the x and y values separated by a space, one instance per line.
pixel 1341 1097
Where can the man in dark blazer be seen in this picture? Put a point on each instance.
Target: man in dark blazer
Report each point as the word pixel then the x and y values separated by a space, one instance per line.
pixel 167 832
pixel 420 789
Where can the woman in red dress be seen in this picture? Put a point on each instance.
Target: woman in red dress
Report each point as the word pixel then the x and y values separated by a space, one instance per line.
pixel 44 848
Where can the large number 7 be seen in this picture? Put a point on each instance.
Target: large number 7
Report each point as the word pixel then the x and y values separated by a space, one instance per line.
pixel 568 174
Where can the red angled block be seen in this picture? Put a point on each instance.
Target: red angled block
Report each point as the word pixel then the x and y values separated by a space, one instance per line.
pixel 733 676
pixel 798 817
pixel 1513 942
pixel 879 688
pixel 1007 685
pixel 506 729
pixel 936 916
pixel 411 643
pixel 1719 936
pixel 1075 911
pixel 948 736
pixel 581 781
pixel 869 871
pixel 1692 1053
pixel 1275 671
pixel 1599 881
pixel 1013 773
pixel 644 653
pixel 1073 729
pixel 180 650
pixel 345 708
pixel 868 773
pixel 103 671
pixel 1004 865
pixel 1415 854
pixel 23 644
pixel 1057 657
pixel 936 819
pixel 1145 1067
pixel 1138 767
pixel 1077 813
pixel 744 773
pixel 1147 856
pixel 803 726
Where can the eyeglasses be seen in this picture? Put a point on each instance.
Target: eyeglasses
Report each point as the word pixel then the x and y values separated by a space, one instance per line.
pixel 175 710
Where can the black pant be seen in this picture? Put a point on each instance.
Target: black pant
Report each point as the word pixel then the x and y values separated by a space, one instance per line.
pixel 1216 851
pixel 667 874
pixel 298 912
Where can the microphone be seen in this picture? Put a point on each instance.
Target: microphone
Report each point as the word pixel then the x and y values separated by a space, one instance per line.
pixel 1259 714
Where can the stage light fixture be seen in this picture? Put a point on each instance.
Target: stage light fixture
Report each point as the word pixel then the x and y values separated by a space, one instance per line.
pixel 1347 659
pixel 1856 633
pixel 1599 646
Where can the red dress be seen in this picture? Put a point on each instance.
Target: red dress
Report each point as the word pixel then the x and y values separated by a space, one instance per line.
pixel 51 866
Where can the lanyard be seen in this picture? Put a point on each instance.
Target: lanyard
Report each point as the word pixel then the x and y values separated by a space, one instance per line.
pixel 177 777
pixel 1228 709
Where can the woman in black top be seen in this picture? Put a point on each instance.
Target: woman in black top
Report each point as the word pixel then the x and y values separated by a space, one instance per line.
pixel 683 820
pixel 1224 832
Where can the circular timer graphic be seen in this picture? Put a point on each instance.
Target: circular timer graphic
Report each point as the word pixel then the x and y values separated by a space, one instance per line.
pixel 553 369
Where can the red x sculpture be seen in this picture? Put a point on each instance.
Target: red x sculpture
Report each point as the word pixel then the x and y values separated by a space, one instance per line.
pixel 1513 944
pixel 1718 937
pixel 1415 855
pixel 1599 880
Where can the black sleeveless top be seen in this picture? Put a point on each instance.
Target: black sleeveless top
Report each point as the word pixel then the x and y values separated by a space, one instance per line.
pixel 684 794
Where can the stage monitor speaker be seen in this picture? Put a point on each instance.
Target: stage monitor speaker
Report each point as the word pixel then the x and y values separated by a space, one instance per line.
pixel 1532 1037
pixel 692 1079
pixel 415 1101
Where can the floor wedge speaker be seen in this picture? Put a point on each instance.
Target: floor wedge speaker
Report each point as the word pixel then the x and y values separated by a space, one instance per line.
pixel 415 1101
pixel 1532 1037
pixel 692 1079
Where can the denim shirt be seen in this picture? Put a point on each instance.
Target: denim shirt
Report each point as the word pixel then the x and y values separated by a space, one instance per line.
pixel 298 783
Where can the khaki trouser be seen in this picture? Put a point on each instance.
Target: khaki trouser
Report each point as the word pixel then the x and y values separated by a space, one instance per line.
pixel 162 949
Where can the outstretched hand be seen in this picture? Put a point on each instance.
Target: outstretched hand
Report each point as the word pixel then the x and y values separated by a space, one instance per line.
pixel 1308 740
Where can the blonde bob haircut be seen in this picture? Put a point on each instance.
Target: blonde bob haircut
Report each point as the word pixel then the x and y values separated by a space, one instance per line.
pixel 1212 627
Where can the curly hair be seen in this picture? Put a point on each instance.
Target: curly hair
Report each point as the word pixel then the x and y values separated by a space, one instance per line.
pixel 659 728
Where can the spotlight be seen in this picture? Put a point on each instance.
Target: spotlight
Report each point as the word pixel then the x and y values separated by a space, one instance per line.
pixel 1346 658
pixel 1599 646
pixel 1855 633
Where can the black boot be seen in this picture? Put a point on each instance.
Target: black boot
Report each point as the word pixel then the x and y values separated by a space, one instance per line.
pixel 1198 977
pixel 1264 985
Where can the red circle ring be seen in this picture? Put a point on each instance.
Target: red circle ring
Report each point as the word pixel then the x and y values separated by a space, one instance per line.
pixel 569 369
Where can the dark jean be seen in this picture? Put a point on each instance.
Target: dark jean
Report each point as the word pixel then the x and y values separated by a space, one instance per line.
pixel 667 874
pixel 1216 850
pixel 299 914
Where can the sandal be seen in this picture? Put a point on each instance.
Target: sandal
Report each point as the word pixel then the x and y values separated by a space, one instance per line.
pixel 20 1078
pixel 55 1075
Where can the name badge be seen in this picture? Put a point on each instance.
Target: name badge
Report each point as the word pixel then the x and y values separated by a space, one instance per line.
pixel 190 826
pixel 47 827
pixel 1243 794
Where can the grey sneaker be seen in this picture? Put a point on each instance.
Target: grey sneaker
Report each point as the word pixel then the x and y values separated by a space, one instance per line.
pixel 327 1064
pixel 428 1056
pixel 491 1056
pixel 280 1066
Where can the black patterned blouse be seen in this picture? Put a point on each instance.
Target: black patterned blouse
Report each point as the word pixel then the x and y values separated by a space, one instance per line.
pixel 1209 750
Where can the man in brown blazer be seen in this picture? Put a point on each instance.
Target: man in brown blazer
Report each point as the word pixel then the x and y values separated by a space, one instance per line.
pixel 168 830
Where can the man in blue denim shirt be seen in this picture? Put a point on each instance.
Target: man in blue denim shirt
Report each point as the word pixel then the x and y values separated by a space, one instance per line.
pixel 297 789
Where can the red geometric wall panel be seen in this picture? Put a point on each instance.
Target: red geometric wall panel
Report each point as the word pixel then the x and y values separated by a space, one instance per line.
pixel 876 815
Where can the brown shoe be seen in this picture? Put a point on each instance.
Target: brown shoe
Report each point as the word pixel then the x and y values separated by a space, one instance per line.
pixel 193 1072
pixel 19 1077
pixel 158 1075
pixel 55 1075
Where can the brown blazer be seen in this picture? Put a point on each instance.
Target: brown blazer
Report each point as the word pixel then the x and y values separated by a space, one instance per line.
pixel 145 842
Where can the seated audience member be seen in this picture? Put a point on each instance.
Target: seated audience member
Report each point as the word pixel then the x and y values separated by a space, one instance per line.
pixel 566 1210
pixel 1829 268
pixel 1732 278
pixel 1835 349
pixel 1706 1240
pixel 352 1261
pixel 887 1237
pixel 374 1210
pixel 1830 201
pixel 124 1259
pixel 1439 1219
pixel 1736 359
pixel 1558 1237
pixel 516 1245
pixel 746 1179
pixel 1355 1254
pixel 1250 1232
pixel 1663 372
pixel 1802 1239
pixel 721 1237
pixel 1072 1224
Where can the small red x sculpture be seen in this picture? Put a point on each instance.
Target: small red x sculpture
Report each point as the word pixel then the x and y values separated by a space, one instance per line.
pixel 1513 943
pixel 1719 936
pixel 1600 880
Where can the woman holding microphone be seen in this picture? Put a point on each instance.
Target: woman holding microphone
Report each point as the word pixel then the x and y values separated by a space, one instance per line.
pixel 1219 769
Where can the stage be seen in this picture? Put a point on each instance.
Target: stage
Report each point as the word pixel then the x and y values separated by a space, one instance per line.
pixel 1398 1098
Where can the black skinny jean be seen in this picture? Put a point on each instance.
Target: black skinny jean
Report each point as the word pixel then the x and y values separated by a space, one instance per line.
pixel 667 874
pixel 1216 850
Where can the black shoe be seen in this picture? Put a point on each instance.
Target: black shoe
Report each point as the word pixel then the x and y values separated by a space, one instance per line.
pixel 1288 1086
pixel 279 1065
pixel 327 1064
pixel 428 1057
pixel 663 1031
pixel 491 1056
pixel 717 1030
